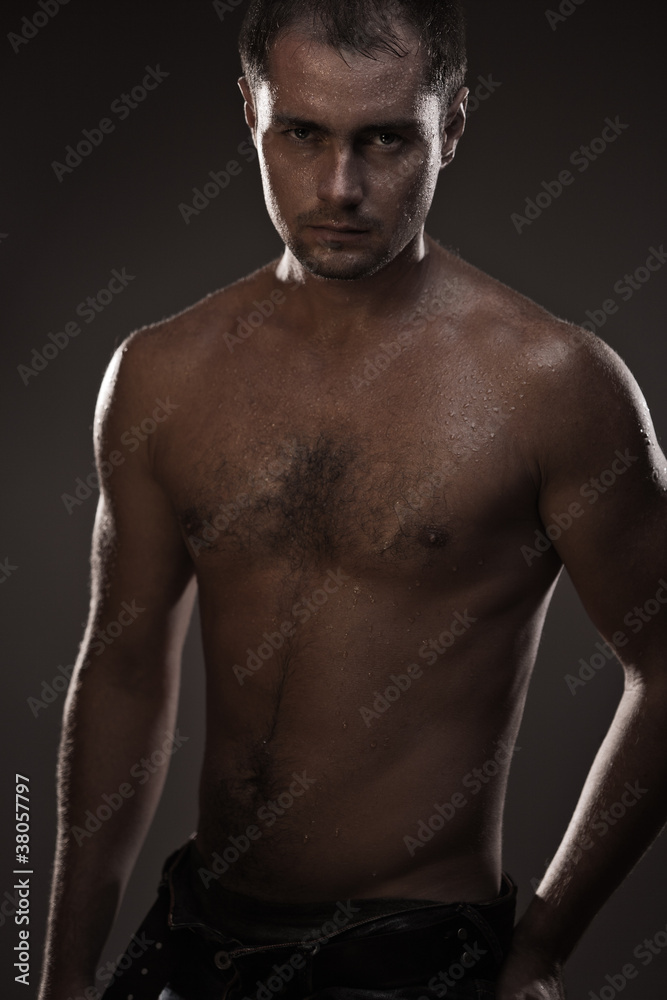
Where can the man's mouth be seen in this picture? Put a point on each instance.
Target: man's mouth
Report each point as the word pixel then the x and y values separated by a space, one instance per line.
pixel 341 229
pixel 337 233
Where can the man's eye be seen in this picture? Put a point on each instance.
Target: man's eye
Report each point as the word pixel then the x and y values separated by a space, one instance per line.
pixel 387 139
pixel 301 134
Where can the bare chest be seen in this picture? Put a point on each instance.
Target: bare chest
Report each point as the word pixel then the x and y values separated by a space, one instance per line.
pixel 383 484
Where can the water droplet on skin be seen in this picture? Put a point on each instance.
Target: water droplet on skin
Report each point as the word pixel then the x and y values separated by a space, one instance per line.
pixel 345 725
pixel 344 654
pixel 373 743
pixel 336 832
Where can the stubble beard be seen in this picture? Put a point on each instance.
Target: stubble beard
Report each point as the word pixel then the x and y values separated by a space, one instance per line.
pixel 343 265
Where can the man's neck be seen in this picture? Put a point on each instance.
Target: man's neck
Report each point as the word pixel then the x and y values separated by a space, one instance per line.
pixel 336 307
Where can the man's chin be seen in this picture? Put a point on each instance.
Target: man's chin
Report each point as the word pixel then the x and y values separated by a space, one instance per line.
pixel 340 265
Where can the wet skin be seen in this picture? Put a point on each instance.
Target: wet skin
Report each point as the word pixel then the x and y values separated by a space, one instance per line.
pixel 409 493
pixel 410 497
pixel 363 451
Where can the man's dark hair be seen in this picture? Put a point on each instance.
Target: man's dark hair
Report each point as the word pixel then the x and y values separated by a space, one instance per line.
pixel 366 27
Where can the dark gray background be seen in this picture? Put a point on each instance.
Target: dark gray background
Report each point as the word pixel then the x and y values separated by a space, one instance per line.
pixel 119 208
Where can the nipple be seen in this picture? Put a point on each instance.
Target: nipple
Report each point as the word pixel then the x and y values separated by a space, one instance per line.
pixel 433 537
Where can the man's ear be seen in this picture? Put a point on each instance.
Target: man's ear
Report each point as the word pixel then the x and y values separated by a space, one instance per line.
pixel 454 126
pixel 249 105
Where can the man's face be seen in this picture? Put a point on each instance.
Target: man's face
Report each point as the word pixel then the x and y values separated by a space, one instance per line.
pixel 349 151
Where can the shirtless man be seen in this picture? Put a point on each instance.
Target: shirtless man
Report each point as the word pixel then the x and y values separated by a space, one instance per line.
pixel 370 607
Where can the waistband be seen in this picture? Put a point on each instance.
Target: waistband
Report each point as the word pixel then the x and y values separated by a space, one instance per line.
pixel 252 921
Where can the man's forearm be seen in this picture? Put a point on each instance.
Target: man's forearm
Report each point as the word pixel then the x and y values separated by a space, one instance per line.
pixel 107 799
pixel 622 808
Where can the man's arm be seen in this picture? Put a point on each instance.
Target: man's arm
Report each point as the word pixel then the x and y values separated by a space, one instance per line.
pixel 599 453
pixel 123 694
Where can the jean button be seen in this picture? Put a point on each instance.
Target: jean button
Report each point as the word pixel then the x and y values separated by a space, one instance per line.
pixel 462 934
pixel 222 960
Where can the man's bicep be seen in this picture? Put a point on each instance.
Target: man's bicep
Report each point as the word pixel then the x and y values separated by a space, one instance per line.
pixel 142 575
pixel 604 504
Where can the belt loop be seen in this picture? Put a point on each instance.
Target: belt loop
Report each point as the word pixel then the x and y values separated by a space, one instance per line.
pixel 485 929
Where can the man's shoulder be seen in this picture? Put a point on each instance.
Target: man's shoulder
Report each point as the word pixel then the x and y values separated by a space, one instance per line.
pixel 562 377
pixel 525 333
pixel 190 338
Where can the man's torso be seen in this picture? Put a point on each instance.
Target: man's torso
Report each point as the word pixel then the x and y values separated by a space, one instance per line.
pixel 369 620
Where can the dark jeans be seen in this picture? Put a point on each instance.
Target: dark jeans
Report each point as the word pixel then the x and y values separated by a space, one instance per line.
pixel 201 941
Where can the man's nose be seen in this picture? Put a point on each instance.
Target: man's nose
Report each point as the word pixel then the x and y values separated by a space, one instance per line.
pixel 341 177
